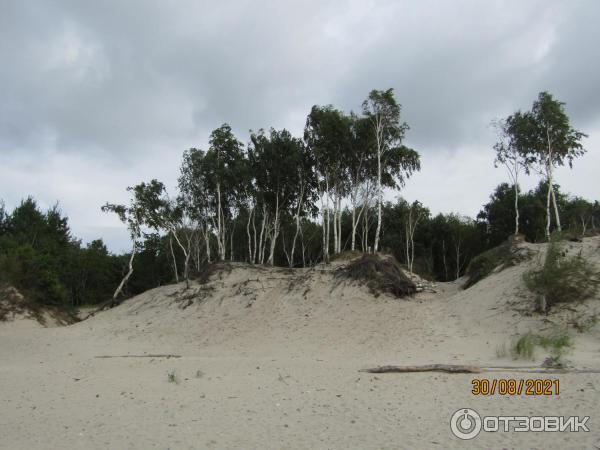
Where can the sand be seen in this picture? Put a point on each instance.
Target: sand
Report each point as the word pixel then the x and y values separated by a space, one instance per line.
pixel 270 359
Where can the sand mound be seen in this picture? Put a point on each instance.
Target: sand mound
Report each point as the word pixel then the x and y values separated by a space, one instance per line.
pixel 14 307
pixel 240 306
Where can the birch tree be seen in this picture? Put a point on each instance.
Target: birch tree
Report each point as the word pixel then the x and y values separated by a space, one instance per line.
pixel 275 159
pixel 360 169
pixel 547 140
pixel 220 170
pixel 395 162
pixel 415 214
pixel 162 213
pixel 131 216
pixel 510 155
pixel 327 135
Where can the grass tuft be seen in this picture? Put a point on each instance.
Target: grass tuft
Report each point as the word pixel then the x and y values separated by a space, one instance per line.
pixel 557 344
pixel 172 377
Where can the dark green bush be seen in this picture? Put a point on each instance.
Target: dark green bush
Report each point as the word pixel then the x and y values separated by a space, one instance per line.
pixel 561 279
pixel 505 255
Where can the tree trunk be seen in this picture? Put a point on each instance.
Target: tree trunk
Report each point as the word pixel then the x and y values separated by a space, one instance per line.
pixel 129 272
pixel 250 212
pixel 323 227
pixel 253 257
pixel 207 242
pixel 174 259
pixel 339 224
pixel 549 171
pixel 444 260
pixel 335 227
pixel 457 247
pixel 549 178
pixel 516 208
pixel 407 243
pixel 300 202
pixel 379 190
pixel 186 253
pixel 366 247
pixel 262 231
pixel 353 245
pixel 556 216
pixel 275 232
pixel 231 243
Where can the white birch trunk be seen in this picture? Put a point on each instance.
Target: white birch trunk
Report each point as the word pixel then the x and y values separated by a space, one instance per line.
pixel 300 202
pixel 128 275
pixel 174 260
pixel 275 232
pixel 379 136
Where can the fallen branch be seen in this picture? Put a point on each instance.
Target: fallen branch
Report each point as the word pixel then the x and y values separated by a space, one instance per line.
pixel 452 368
pixel 139 356
pixel 449 368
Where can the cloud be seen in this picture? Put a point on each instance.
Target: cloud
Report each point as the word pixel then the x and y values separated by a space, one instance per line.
pixel 97 96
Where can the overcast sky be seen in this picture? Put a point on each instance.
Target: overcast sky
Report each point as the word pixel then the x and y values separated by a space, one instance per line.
pixel 97 96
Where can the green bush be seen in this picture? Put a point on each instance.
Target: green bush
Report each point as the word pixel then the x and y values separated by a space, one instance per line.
pixel 557 344
pixel 483 264
pixel 561 279
pixel 504 255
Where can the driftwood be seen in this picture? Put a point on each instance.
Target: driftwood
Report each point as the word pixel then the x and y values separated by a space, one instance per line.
pixel 139 356
pixel 453 368
pixel 449 368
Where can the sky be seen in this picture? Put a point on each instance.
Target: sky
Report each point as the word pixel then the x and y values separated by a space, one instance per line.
pixel 98 96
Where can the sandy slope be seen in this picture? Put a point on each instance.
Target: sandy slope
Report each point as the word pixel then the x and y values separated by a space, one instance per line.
pixel 270 359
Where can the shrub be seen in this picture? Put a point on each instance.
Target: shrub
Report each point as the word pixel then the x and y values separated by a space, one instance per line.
pixel 503 256
pixel 172 377
pixel 561 279
pixel 556 343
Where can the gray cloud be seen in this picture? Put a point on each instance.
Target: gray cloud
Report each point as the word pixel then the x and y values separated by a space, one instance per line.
pixel 99 95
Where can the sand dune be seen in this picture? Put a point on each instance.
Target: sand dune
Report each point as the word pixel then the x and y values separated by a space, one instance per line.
pixel 269 358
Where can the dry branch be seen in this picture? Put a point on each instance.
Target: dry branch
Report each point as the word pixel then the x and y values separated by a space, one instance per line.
pixel 139 356
pixel 449 368
pixel 452 368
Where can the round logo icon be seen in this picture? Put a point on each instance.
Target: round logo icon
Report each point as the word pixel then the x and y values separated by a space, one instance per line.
pixel 465 423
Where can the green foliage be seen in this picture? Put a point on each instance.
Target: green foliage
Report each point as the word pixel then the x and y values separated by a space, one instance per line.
pixel 525 346
pixel 500 257
pixel 557 343
pixel 483 264
pixel 498 214
pixel 40 258
pixel 544 134
pixel 562 279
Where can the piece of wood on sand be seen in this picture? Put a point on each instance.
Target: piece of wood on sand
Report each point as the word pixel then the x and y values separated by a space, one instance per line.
pixel 448 368
pixel 454 368
pixel 140 356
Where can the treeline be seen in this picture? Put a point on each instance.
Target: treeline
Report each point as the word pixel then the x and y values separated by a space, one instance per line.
pixel 40 257
pixel 297 201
